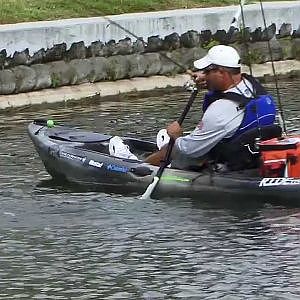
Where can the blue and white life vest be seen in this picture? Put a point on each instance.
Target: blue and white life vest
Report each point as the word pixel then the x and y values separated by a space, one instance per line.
pixel 258 122
pixel 260 110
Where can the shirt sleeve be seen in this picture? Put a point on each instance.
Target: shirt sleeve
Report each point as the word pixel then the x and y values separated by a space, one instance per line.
pixel 221 120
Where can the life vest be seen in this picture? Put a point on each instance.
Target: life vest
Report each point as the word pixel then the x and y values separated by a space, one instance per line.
pixel 260 112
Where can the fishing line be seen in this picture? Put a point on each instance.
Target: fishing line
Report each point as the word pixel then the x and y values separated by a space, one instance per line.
pixel 144 43
pixel 233 25
pixel 242 3
pixel 253 92
pixel 281 115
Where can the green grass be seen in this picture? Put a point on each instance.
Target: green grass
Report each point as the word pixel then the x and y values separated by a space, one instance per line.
pixel 14 11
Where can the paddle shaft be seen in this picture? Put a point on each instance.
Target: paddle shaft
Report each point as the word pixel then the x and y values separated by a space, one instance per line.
pixel 147 194
pixel 171 143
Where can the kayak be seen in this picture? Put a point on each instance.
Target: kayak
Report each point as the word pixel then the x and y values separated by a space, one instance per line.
pixel 82 158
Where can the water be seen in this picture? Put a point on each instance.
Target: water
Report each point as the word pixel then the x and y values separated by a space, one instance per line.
pixel 58 243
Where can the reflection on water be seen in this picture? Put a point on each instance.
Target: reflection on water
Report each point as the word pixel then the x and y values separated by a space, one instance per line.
pixel 59 243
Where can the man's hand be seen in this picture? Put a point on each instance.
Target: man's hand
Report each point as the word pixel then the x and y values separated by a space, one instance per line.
pixel 199 78
pixel 174 130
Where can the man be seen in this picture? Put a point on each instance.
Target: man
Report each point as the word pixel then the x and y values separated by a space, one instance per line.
pixel 234 104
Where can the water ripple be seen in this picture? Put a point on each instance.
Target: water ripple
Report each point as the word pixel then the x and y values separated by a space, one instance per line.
pixel 58 243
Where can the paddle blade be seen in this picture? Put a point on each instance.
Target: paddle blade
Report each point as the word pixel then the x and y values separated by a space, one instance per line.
pixel 150 189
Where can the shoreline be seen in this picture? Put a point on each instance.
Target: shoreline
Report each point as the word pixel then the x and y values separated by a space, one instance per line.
pixel 284 69
pixel 74 59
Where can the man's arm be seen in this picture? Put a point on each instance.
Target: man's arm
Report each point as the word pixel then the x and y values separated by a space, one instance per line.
pixel 174 131
pixel 220 120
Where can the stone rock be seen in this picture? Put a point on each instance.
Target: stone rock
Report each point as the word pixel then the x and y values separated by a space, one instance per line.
pixel 154 44
pixel 285 30
pixel 286 45
pixel 220 36
pixel 25 78
pixel 188 56
pixel 83 70
pixel 190 39
pixel 7 82
pixel 238 36
pixel 137 65
pixel 205 37
pixel 167 66
pixel 21 58
pixel 269 32
pixel 176 63
pixel 8 63
pixel 61 73
pixel 124 47
pixel 95 49
pixel 43 76
pixel 3 55
pixel 153 64
pixel 276 49
pixel 171 42
pixel 256 35
pixel 38 57
pixel 100 69
pixel 139 46
pixel 296 48
pixel 57 52
pixel 244 36
pixel 232 35
pixel 185 58
pixel 296 33
pixel 110 48
pixel 259 52
pixel 76 51
pixel 118 67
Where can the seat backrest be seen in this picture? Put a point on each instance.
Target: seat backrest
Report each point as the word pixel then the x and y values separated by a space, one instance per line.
pixel 263 133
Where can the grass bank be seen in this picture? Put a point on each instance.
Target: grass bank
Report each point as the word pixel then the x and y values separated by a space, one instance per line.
pixel 14 11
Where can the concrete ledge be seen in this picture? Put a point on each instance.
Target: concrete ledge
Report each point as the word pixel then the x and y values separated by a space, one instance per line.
pixel 102 89
pixel 37 35
pixel 86 90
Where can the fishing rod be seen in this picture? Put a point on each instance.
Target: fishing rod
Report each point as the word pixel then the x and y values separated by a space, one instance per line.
pixel 232 28
pixel 156 179
pixel 236 18
pixel 281 114
pixel 242 3
pixel 145 44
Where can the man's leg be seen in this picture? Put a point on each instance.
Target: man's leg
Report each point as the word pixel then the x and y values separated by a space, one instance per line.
pixel 156 157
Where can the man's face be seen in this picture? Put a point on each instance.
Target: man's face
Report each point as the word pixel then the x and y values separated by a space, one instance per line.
pixel 214 78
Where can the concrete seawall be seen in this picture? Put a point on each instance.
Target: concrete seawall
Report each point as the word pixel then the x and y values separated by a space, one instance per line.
pixel 71 59
pixel 285 69
pixel 37 35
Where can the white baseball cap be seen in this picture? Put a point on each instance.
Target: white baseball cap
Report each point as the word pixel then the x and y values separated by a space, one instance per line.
pixel 220 55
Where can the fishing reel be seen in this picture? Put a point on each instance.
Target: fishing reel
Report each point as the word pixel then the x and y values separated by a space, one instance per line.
pixel 190 86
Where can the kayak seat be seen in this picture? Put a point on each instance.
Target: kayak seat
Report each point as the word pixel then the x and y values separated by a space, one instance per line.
pixel 241 152
pixel 263 133
pixel 101 147
pixel 140 148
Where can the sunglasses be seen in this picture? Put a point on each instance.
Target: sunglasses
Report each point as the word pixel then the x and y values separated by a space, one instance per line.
pixel 210 68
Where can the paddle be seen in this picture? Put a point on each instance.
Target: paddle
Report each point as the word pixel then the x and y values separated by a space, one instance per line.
pixel 147 194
